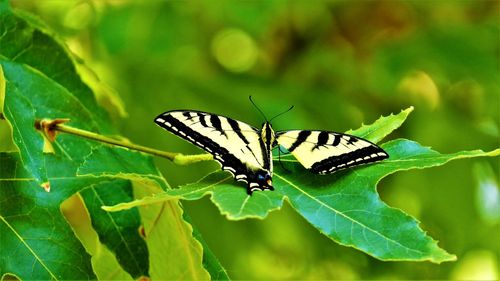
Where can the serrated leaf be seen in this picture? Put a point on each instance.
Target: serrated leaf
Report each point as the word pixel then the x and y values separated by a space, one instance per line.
pixel 36 89
pixel 231 202
pixel 382 127
pixel 344 206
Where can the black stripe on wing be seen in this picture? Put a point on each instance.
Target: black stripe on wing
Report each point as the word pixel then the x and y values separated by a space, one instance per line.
pixel 303 135
pixel 255 179
pixel 356 157
pixel 220 154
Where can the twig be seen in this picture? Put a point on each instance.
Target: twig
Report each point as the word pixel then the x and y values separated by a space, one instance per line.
pixel 50 127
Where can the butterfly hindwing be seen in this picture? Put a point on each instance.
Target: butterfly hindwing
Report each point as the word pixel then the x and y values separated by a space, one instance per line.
pixel 237 146
pixel 325 152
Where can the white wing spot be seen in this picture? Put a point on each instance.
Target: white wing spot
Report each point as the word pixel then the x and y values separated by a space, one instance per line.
pixel 241 177
pixel 230 169
pixel 160 120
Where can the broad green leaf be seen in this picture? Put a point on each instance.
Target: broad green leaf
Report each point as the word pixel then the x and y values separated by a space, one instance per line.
pixel 36 89
pixel 37 242
pixel 183 257
pixel 51 100
pixel 236 205
pixel 27 41
pixel 122 163
pixel 106 267
pixel 118 231
pixel 344 206
pixel 230 200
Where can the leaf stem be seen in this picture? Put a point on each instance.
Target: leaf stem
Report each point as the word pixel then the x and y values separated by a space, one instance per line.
pixel 50 127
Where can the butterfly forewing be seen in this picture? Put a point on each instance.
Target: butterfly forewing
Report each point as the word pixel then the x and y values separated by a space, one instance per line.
pixel 234 144
pixel 326 152
pixel 246 151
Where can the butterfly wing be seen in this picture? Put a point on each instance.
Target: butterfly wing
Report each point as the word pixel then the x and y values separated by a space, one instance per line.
pixel 324 152
pixel 237 146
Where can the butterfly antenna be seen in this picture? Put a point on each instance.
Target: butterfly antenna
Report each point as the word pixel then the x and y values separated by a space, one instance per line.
pixel 262 113
pixel 291 107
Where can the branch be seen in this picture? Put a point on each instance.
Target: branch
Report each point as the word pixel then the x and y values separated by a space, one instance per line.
pixel 51 127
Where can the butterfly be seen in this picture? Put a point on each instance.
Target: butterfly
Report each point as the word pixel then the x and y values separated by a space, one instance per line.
pixel 246 152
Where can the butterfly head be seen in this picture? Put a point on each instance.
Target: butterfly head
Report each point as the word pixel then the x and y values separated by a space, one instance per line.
pixel 262 181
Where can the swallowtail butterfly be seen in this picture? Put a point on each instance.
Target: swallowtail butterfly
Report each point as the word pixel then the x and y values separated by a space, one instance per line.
pixel 245 151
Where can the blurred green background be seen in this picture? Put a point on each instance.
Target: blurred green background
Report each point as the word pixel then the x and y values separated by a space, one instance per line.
pixel 341 63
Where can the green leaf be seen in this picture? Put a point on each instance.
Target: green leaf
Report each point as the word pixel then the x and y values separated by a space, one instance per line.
pixel 35 89
pixel 106 267
pixel 173 254
pixel 382 127
pixel 230 200
pixel 344 206
pixel 37 242
pixel 119 231
pixel 122 163
pixel 45 98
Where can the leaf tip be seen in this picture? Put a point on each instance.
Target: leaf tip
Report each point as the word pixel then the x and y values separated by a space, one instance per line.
pixel 446 257
pixel 408 110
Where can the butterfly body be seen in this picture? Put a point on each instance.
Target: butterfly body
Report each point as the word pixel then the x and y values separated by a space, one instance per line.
pixel 246 152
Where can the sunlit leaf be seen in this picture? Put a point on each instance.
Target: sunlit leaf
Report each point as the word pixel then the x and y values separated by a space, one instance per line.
pixel 344 206
pixel 38 88
pixel 172 253
pixel 37 242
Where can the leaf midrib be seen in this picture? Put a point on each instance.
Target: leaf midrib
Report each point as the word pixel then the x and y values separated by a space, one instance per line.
pixel 28 247
pixel 344 215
